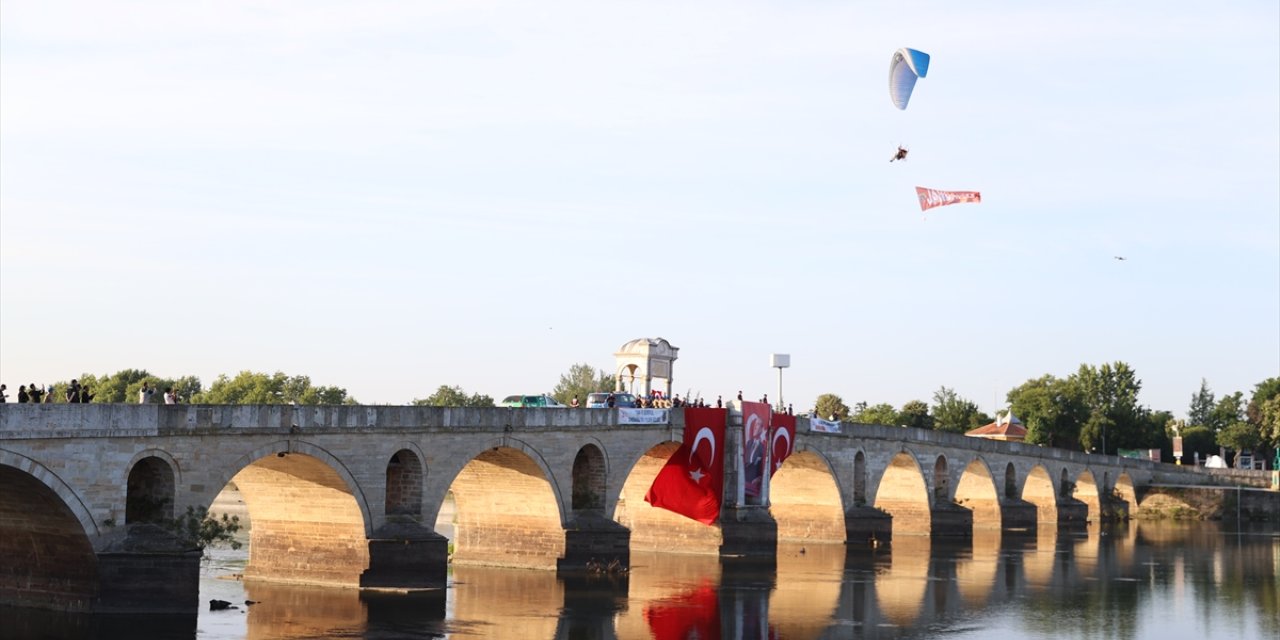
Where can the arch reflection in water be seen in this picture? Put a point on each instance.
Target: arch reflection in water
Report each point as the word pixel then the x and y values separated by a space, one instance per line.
pixel 1139 581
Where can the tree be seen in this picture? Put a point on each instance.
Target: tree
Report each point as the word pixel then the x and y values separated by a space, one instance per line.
pixel 580 380
pixel 1052 409
pixel 955 414
pixel 915 413
pixel 1198 440
pixel 447 396
pixel 1201 406
pixel 882 413
pixel 1115 417
pixel 830 406
pixel 1229 411
pixel 259 388
pixel 1262 392
pixel 1240 436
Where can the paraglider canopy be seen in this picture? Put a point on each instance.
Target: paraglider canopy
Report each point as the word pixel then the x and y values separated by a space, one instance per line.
pixel 904 68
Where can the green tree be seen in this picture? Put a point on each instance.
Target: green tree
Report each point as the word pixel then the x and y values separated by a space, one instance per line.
pixel 1262 392
pixel 955 414
pixel 1052 409
pixel 882 413
pixel 580 380
pixel 1228 411
pixel 1269 418
pixel 831 406
pixel 1116 420
pixel 915 413
pixel 1202 403
pixel 1240 436
pixel 447 396
pixel 249 387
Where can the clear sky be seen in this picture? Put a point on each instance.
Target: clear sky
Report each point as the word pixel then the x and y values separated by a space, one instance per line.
pixel 391 196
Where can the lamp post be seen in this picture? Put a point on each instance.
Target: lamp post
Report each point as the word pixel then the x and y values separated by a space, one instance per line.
pixel 780 361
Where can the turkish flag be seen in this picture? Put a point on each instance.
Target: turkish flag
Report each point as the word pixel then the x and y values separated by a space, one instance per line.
pixel 692 482
pixel 691 615
pixel 784 439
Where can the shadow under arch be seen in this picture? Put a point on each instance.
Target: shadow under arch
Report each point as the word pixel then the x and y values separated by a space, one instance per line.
pixel 310 524
pixel 903 494
pixel 805 500
pixel 1039 489
pixel 49 561
pixel 654 529
pixel 507 511
pixel 976 491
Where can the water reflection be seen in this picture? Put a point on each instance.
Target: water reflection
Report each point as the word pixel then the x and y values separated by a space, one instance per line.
pixel 1135 582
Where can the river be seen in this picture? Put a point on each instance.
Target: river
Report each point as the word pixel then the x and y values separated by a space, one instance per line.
pixel 1135 581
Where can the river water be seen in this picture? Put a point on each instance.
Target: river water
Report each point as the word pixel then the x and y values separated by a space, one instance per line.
pixel 1156 581
pixel 1136 581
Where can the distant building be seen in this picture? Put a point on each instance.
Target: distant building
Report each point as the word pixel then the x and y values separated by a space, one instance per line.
pixel 1006 427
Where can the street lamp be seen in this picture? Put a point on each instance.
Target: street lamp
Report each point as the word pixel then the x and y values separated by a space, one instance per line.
pixel 780 361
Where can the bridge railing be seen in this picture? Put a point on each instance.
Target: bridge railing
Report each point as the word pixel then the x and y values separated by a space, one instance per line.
pixel 45 420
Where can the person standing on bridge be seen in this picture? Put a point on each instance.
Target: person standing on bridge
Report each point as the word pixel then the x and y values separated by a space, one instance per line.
pixel 169 396
pixel 574 402
pixel 3 395
pixel 73 391
pixel 35 392
pixel 144 394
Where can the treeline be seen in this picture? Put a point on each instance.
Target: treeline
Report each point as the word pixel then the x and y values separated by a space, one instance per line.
pixel 247 387
pixel 1094 409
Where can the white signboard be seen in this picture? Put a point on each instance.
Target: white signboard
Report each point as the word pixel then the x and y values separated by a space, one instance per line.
pixel 642 416
pixel 824 426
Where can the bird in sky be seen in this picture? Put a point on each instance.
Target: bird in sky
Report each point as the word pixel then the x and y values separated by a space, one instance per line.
pixel 1120 258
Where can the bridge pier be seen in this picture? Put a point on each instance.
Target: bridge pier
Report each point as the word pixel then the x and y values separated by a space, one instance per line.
pixel 406 556
pixel 592 540
pixel 144 569
pixel 869 526
pixel 948 520
pixel 748 531
pixel 1017 514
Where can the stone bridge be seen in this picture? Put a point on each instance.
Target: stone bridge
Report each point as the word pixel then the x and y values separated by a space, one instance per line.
pixel 353 496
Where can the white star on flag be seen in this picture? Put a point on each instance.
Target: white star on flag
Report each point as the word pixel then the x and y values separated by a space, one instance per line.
pixel 697 475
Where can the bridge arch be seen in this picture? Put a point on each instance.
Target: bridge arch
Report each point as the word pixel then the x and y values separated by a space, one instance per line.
pixel 806 500
pixel 1125 492
pixel 309 516
pixel 150 490
pixel 508 510
pixel 976 491
pixel 1039 489
pixel 1010 482
pixel 55 484
pixel 903 494
pixel 49 560
pixel 1087 491
pixel 590 472
pixel 282 448
pixel 654 529
pixel 406 475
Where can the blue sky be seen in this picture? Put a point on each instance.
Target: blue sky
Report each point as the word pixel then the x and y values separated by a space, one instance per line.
pixel 390 196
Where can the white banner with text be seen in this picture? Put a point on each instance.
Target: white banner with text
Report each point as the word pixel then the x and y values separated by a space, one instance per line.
pixel 642 416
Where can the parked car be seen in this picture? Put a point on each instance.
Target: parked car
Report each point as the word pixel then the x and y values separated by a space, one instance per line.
pixel 600 400
pixel 530 401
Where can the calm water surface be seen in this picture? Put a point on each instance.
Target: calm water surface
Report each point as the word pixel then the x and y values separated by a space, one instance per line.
pixel 1140 581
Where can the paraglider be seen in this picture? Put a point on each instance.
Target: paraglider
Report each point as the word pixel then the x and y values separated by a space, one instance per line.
pixel 904 68
pixel 900 155
pixel 930 198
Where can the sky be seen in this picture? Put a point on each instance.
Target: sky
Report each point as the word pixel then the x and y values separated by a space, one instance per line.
pixel 392 196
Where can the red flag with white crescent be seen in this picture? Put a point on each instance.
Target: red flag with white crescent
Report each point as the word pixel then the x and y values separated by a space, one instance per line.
pixel 692 482
pixel 783 439
pixel 930 198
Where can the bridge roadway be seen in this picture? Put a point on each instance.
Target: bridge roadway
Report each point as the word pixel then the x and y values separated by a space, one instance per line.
pixel 351 495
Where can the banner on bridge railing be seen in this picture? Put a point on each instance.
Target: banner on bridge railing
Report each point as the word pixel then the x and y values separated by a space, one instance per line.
pixel 824 426
pixel 642 416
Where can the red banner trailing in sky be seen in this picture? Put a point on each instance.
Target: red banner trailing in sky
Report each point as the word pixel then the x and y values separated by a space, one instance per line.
pixel 930 198
pixel 692 482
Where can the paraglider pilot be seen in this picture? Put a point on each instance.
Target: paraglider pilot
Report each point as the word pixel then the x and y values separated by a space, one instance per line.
pixel 900 155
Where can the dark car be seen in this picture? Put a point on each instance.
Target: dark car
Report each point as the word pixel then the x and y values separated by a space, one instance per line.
pixel 600 400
